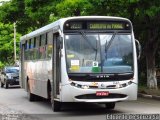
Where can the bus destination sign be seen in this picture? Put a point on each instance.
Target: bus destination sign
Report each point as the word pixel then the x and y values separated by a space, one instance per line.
pixel 104 26
pixel 75 25
pixel 96 25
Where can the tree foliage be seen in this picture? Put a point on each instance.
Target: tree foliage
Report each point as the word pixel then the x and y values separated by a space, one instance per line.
pixel 145 17
pixel 144 14
pixel 73 7
pixel 39 11
pixel 7 43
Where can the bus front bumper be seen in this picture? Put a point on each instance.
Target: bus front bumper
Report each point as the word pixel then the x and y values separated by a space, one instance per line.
pixel 74 94
pixel 101 100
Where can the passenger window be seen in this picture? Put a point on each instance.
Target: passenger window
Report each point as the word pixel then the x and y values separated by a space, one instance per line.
pixel 26 45
pixel 49 44
pixel 37 41
pixel 43 39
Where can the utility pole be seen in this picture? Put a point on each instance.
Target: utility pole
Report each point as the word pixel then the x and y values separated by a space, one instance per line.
pixel 15 42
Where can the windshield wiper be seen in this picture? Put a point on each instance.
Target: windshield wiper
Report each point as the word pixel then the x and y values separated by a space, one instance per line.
pixel 110 41
pixel 89 43
pixel 85 38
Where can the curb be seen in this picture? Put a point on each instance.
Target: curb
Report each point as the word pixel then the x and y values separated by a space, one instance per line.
pixel 149 96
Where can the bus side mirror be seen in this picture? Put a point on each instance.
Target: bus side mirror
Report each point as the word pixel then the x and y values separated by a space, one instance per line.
pixel 139 49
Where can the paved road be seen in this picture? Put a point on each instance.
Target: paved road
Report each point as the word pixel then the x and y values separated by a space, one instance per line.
pixel 14 101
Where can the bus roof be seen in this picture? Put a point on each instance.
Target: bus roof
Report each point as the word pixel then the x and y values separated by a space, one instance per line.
pixel 61 21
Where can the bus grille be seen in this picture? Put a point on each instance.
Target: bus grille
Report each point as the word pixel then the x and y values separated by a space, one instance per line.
pixel 93 96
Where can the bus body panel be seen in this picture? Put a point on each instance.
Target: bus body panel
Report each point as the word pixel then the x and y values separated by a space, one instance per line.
pixel 38 74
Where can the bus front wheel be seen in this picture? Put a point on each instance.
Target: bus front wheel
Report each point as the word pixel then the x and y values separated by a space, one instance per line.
pixel 56 106
pixel 110 105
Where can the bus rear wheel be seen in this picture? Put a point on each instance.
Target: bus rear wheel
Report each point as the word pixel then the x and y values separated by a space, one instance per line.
pixel 31 97
pixel 110 105
pixel 56 106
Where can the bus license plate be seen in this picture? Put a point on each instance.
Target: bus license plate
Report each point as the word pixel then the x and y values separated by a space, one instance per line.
pixel 102 93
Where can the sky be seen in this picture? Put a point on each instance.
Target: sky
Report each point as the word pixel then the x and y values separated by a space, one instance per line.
pixel 3 1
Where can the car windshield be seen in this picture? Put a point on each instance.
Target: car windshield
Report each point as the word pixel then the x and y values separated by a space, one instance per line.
pixel 12 70
pixel 103 52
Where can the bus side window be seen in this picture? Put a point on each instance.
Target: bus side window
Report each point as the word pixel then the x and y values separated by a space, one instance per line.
pixel 29 43
pixel 37 47
pixel 34 42
pixel 42 48
pixel 31 50
pixel 46 45
pixel 49 44
pixel 26 50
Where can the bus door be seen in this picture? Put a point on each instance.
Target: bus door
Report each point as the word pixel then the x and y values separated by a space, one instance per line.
pixel 56 66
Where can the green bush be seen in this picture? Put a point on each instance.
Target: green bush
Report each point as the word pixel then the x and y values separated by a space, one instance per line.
pixel 1 65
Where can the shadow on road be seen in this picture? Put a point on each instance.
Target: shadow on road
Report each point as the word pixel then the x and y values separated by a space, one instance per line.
pixel 86 109
pixel 75 109
pixel 81 109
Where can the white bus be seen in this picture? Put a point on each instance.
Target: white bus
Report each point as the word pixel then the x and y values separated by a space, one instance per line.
pixel 81 59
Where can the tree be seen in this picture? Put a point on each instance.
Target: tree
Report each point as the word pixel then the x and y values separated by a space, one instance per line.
pixel 72 8
pixel 7 43
pixel 39 11
pixel 144 14
pixel 146 20
pixel 13 11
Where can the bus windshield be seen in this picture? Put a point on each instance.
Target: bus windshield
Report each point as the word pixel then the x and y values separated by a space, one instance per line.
pixel 99 52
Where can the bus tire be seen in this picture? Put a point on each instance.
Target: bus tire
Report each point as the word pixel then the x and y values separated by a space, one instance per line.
pixel 56 106
pixel 31 97
pixel 110 105
pixel 49 90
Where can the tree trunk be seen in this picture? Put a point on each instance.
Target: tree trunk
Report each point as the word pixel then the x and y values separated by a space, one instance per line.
pixel 151 71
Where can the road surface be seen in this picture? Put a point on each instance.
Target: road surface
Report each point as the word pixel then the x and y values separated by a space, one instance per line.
pixel 14 102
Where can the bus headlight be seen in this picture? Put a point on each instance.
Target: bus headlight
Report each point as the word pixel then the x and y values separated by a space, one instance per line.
pixel 76 85
pixel 79 86
pixel 118 86
pixel 85 86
